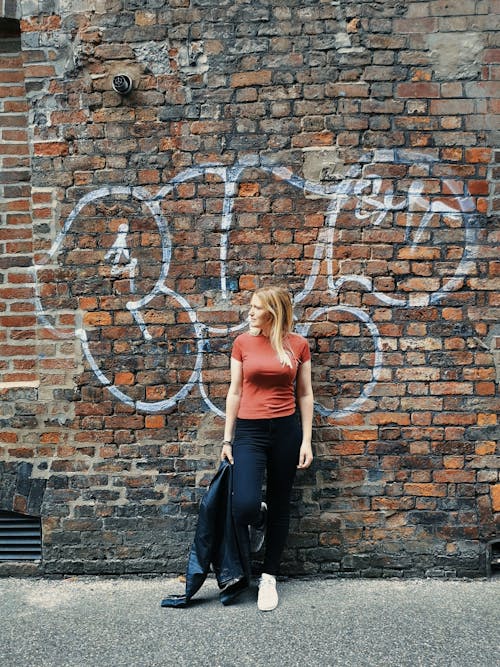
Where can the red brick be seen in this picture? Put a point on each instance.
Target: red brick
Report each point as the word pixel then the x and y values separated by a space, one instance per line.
pixel 41 24
pixel 10 61
pixel 453 462
pixel 495 497
pixel 155 421
pixel 8 436
pixel 94 319
pixel 485 388
pixel 454 476
pixel 21 452
pixel 39 71
pixel 72 117
pixel 210 127
pixel 51 148
pixel 491 56
pixel 475 155
pixel 347 89
pixel 418 90
pixel 11 76
pixel 451 388
pixel 20 504
pixel 124 377
pixel 438 490
pixel 257 78
pixel 12 91
pixel 249 190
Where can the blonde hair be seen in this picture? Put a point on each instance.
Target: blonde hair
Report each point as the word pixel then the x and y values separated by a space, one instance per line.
pixel 278 303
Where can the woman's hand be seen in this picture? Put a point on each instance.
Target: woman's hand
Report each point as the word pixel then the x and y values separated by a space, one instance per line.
pixel 305 456
pixel 227 453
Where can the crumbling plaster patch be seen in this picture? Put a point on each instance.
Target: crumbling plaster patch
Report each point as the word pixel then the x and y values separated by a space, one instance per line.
pixel 455 55
pixel 322 164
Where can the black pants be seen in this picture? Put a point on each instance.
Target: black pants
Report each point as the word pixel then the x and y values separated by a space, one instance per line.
pixel 265 446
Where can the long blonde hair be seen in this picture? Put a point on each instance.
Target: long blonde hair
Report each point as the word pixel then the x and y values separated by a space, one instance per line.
pixel 278 303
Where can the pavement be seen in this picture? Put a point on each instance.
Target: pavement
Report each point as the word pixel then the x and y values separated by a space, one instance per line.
pixel 118 622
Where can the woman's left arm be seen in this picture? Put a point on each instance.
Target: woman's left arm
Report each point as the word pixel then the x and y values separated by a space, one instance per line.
pixel 305 401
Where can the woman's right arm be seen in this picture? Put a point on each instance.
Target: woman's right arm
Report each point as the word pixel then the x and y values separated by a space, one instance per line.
pixel 232 404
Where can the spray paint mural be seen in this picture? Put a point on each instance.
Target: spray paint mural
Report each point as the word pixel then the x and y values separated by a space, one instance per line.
pixel 165 276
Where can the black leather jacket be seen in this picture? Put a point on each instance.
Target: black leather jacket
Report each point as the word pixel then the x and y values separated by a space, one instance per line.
pixel 215 544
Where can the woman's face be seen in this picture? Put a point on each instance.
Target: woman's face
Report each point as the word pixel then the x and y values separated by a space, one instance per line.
pixel 258 317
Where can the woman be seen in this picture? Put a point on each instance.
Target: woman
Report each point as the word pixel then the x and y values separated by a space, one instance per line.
pixel 270 376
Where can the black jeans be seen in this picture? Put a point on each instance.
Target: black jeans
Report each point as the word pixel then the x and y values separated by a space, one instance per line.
pixel 265 446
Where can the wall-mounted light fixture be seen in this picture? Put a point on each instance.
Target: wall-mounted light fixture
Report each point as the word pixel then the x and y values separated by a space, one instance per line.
pixel 122 84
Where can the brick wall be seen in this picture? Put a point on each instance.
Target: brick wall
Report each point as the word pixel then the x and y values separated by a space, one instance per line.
pixel 17 319
pixel 344 149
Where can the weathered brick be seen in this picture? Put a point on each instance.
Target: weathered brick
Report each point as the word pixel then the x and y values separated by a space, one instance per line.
pixel 454 476
pixel 495 497
pixel 438 490
pixel 418 90
pixel 256 78
pixel 51 148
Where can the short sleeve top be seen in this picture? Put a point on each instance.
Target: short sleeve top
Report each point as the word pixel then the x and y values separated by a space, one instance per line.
pixel 268 388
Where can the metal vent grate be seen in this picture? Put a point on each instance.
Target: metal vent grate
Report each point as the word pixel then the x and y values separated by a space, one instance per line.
pixel 493 558
pixel 20 537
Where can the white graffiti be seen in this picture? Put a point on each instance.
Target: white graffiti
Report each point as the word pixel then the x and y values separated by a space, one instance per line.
pixel 374 201
pixel 119 251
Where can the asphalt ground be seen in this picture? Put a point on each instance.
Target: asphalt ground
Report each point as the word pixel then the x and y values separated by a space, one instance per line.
pixel 118 622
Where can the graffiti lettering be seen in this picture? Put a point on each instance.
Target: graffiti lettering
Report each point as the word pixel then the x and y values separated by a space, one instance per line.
pixel 413 217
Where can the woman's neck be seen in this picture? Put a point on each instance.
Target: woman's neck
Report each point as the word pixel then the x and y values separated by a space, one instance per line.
pixel 258 332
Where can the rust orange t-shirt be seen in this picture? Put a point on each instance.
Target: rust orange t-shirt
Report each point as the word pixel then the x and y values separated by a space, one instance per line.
pixel 268 388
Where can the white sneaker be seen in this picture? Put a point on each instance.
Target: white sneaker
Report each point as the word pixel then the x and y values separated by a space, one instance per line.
pixel 268 595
